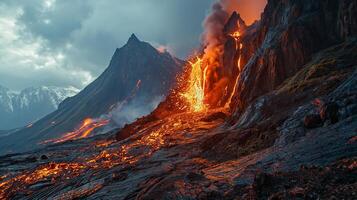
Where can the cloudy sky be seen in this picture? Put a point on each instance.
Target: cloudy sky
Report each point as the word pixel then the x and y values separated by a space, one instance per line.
pixel 70 42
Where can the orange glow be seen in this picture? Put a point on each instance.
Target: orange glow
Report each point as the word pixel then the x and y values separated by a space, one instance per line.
pixel 201 93
pixel 236 35
pixel 249 10
pixel 85 129
pixel 50 171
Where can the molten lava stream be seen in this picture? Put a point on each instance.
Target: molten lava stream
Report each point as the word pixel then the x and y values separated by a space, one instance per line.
pixel 239 46
pixel 195 92
pixel 86 128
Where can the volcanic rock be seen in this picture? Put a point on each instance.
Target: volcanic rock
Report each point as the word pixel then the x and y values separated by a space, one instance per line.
pixel 329 112
pixel 347 18
pixel 215 116
pixel 286 38
pixel 313 121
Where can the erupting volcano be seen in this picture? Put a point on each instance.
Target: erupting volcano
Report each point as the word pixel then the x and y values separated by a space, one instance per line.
pixel 263 110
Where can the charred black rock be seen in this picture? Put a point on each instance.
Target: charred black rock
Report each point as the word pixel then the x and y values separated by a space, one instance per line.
pixel 215 116
pixel 329 112
pixel 313 121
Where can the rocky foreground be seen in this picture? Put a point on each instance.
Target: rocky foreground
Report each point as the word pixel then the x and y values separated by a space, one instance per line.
pixel 195 156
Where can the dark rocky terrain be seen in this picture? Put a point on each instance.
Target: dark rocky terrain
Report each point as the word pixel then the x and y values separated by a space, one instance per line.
pixel 291 132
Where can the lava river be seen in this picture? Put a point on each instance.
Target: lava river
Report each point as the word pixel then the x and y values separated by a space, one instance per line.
pixel 91 167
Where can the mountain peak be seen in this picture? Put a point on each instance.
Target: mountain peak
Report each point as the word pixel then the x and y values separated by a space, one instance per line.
pixel 234 23
pixel 133 39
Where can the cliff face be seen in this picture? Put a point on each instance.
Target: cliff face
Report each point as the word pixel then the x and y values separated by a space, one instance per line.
pixel 286 38
pixel 347 18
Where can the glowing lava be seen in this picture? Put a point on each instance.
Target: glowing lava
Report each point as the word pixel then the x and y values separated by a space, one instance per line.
pixel 195 92
pixel 239 46
pixel 85 129
pixel 198 91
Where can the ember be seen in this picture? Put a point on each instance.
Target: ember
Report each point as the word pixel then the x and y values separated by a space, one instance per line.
pixel 49 172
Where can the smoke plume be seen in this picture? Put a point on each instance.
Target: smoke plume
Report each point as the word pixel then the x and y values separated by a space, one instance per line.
pixel 212 37
pixel 213 40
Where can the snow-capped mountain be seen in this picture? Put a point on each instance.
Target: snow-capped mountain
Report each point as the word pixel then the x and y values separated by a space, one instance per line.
pixel 21 108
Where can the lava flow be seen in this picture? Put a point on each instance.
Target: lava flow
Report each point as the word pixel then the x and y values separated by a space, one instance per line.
pixel 198 92
pixel 195 93
pixel 86 128
pixel 236 35
pixel 182 128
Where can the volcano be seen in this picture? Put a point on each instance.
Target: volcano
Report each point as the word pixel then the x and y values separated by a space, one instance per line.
pixel 266 111
pixel 135 62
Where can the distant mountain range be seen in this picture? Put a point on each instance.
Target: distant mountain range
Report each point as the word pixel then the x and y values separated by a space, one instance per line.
pixel 18 109
pixel 136 80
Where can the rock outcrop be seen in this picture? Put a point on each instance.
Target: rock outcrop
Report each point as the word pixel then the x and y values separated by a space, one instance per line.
pixel 286 38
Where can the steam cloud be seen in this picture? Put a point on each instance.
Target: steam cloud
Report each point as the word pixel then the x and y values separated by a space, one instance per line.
pixel 127 112
pixel 212 37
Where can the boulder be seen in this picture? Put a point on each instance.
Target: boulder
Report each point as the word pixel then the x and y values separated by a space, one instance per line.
pixel 313 121
pixel 329 113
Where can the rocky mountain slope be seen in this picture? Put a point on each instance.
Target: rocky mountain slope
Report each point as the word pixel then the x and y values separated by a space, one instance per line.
pixel 291 132
pixel 137 78
pixel 30 104
pixel 286 38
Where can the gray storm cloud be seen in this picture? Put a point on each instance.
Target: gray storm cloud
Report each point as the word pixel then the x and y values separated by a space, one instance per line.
pixel 70 42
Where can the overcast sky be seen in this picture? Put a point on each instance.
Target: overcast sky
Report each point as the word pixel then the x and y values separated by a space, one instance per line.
pixel 70 42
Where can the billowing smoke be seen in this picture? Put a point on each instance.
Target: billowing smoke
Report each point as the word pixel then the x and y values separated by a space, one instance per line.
pixel 134 106
pixel 212 37
pixel 213 40
pixel 127 112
